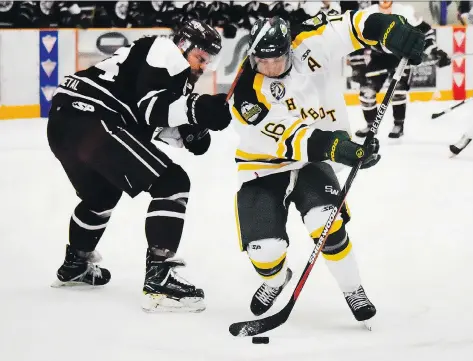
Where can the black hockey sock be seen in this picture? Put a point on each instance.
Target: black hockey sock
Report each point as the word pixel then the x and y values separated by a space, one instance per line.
pixel 165 221
pixel 166 212
pixel 370 115
pixel 86 227
pixel 399 112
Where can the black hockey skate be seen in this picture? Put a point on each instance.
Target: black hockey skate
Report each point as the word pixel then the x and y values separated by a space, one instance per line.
pixel 265 296
pixel 362 133
pixel 398 130
pixel 79 269
pixel 360 305
pixel 166 291
pixel 460 145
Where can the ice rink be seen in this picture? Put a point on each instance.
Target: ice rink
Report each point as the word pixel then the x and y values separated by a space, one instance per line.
pixel 411 225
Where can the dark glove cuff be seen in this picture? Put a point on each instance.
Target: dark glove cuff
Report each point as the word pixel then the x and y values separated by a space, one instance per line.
pixel 318 145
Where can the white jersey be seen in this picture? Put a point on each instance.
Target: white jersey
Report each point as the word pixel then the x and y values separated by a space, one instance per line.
pixel 275 117
pixel 397 9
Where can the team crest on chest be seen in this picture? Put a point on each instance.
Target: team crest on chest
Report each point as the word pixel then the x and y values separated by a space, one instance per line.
pixel 278 90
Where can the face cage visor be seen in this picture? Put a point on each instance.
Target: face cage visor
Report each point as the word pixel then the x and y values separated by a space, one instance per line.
pixel 287 57
pixel 213 59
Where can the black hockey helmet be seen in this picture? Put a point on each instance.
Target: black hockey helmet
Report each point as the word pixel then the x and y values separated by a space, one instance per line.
pixel 275 42
pixel 197 34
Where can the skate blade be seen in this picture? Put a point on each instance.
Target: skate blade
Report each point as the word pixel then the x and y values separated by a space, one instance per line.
pixel 74 284
pixel 367 324
pixel 162 304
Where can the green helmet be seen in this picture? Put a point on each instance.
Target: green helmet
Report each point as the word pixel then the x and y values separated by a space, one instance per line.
pixel 276 41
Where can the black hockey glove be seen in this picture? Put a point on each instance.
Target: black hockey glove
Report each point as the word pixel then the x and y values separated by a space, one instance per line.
pixel 442 57
pixel 208 111
pixel 394 32
pixel 195 139
pixel 337 147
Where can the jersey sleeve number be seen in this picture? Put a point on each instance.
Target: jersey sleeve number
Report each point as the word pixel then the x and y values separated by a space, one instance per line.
pixel 274 130
pixel 111 65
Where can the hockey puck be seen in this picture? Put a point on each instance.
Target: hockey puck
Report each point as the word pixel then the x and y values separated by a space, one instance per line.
pixel 260 339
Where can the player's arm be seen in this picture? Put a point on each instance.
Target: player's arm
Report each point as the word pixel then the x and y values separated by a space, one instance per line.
pixel 163 88
pixel 431 45
pixel 342 34
pixel 274 139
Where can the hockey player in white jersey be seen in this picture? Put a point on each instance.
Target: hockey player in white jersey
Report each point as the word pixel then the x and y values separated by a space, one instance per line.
pixel 381 58
pixel 289 111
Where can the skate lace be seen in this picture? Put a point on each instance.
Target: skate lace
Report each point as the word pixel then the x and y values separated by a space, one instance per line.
pixel 178 279
pixel 266 294
pixel 94 270
pixel 357 299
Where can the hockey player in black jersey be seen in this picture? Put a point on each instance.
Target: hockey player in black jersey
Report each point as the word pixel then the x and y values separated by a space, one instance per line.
pixel 382 59
pixel 100 127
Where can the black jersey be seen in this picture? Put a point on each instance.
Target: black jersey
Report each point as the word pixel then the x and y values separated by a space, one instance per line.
pixel 139 82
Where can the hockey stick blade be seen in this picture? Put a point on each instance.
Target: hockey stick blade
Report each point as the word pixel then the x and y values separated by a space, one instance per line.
pixel 448 110
pixel 256 327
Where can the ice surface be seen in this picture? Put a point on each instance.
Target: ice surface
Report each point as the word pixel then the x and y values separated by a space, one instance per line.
pixel 411 230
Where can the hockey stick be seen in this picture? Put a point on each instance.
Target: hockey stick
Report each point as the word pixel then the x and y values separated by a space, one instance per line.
pixel 255 327
pixel 426 63
pixel 262 33
pixel 448 110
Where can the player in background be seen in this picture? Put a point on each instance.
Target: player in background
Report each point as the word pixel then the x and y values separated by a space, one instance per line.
pixel 381 58
pixel 101 126
pixel 289 111
pixel 465 12
pixel 328 7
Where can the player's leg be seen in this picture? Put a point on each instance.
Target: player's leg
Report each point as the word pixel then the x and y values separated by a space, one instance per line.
pixel 143 167
pixel 98 198
pixel 134 165
pixel 369 87
pixel 316 192
pixel 139 167
pixel 399 103
pixel 261 214
pixel 164 289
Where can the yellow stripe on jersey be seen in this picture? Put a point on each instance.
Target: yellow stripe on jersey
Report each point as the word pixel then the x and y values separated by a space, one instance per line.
pixel 357 20
pixel 252 156
pixel 257 85
pixel 356 44
pixel 282 149
pixel 307 34
pixel 238 222
pixel 238 116
pixel 297 144
pixel 260 166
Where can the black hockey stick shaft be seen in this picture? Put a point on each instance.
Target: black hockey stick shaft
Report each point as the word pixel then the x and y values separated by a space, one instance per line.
pixel 436 115
pixel 255 327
